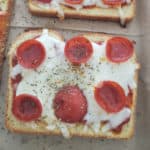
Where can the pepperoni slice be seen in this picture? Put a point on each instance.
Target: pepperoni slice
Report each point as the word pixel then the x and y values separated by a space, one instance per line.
pixel 78 50
pixel 74 1
pixel 45 1
pixel 114 2
pixel 30 54
pixel 119 49
pixel 27 107
pixel 110 96
pixel 70 104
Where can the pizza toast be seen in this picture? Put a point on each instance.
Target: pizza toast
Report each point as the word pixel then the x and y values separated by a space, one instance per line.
pixel 94 10
pixel 58 121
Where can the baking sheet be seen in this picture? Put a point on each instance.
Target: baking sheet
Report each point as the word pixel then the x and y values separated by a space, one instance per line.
pixel 137 30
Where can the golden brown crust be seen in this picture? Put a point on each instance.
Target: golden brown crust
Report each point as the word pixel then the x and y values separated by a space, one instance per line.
pixel 4 25
pixel 109 14
pixel 20 127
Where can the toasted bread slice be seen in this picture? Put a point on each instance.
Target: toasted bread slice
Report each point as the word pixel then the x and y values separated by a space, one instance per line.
pixel 123 14
pixel 39 126
pixel 5 10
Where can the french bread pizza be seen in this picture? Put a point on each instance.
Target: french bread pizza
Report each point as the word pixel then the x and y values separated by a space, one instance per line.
pixel 5 9
pixel 85 86
pixel 113 10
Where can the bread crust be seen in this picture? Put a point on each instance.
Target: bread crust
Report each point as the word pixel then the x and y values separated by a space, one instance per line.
pixel 4 26
pixel 15 125
pixel 95 13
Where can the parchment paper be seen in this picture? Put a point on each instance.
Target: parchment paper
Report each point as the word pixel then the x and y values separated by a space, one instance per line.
pixel 137 30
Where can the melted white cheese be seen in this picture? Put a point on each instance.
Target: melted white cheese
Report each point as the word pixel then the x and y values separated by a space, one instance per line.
pixel 117 119
pixel 64 130
pixel 16 70
pixel 98 3
pixel 122 15
pixel 56 71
